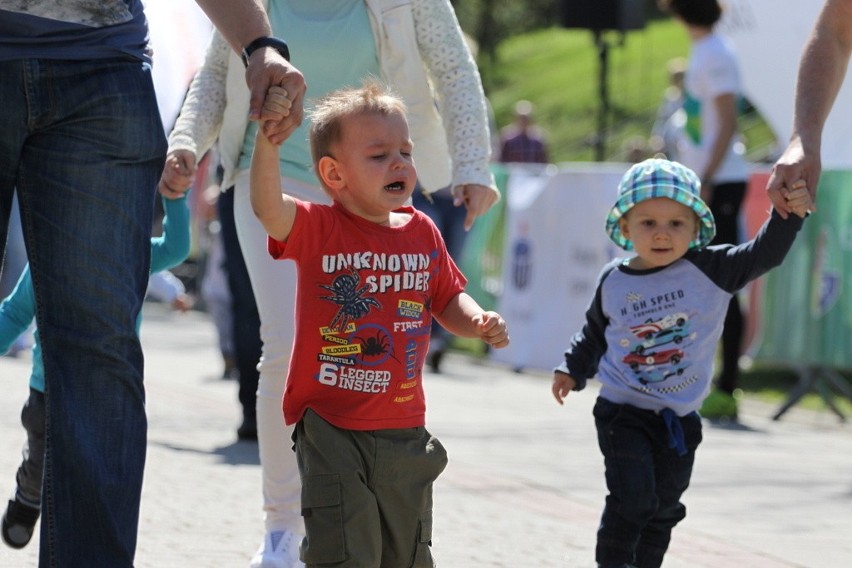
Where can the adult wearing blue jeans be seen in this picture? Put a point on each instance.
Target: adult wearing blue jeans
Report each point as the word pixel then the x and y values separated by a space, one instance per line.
pixel 440 206
pixel 246 320
pixel 82 144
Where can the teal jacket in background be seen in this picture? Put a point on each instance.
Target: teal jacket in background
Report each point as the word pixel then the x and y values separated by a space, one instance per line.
pixel 17 311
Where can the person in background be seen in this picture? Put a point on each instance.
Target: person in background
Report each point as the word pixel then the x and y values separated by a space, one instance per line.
pixel 13 264
pixel 355 387
pixel 822 70
pixel 17 312
pixel 669 122
pixel 248 346
pixel 163 286
pixel 635 149
pixel 79 115
pixel 215 290
pixel 522 141
pixel 418 48
pixel 711 147
pixel 441 208
pixel 650 337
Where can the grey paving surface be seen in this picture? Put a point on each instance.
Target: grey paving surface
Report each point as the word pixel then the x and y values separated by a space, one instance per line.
pixel 524 486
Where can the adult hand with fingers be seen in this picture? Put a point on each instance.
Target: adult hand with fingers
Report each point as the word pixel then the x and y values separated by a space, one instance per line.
pixel 477 199
pixel 267 68
pixel 794 165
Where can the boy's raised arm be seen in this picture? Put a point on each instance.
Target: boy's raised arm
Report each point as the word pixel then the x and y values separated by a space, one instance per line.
pixel 275 210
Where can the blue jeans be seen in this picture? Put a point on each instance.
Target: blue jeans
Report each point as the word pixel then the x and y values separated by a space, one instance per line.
pixel 450 222
pixel 84 145
pixel 247 344
pixel 645 479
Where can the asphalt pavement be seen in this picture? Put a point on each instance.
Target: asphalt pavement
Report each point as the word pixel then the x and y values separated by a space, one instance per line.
pixel 524 485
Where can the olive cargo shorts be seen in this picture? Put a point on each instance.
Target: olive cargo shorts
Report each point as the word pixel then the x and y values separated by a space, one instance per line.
pixel 367 495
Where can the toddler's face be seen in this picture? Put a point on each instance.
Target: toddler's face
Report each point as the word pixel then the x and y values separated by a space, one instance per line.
pixel 374 156
pixel 661 230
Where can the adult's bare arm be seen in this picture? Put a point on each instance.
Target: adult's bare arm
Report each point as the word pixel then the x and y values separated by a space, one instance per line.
pixel 726 110
pixel 241 22
pixel 822 70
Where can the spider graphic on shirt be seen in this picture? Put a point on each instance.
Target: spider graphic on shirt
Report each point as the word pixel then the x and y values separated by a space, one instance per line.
pixel 376 344
pixel 351 299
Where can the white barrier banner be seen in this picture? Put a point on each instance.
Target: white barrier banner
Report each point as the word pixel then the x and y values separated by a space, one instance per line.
pixel 554 249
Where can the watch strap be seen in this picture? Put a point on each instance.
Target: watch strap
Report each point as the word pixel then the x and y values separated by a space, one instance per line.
pixel 275 43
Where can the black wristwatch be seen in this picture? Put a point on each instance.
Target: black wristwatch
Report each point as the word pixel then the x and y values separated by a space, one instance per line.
pixel 275 43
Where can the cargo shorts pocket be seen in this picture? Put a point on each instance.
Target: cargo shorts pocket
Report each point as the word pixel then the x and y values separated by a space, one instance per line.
pixel 423 553
pixel 323 515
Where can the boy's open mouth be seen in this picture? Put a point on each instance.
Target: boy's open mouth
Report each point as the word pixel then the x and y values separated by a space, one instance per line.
pixel 396 186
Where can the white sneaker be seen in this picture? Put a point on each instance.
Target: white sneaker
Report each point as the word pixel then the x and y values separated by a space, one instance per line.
pixel 280 549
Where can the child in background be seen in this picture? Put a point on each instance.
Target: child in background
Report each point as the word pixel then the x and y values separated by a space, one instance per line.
pixel 650 337
pixel 17 312
pixel 372 273
pixel 163 286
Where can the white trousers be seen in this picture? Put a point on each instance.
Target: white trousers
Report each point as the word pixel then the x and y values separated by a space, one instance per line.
pixel 274 285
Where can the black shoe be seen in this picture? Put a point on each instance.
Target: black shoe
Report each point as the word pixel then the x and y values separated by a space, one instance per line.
pixel 435 358
pixel 248 429
pixel 18 523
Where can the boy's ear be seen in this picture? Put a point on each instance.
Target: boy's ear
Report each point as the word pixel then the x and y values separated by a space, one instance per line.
pixel 329 172
pixel 622 225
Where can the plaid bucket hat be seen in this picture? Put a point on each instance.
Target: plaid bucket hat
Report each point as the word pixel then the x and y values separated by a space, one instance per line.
pixel 660 178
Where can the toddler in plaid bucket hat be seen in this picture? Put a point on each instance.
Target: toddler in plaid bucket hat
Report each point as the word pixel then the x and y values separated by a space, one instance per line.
pixel 660 178
pixel 650 337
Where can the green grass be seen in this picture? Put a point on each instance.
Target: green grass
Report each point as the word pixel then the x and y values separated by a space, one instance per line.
pixel 558 70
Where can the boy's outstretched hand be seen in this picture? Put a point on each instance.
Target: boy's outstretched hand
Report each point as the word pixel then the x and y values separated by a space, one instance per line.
pixel 562 385
pixel 492 329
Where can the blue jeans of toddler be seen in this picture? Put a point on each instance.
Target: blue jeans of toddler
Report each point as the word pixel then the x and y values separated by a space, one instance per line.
pixel 645 478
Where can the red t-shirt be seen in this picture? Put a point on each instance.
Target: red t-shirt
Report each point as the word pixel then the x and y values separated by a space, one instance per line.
pixel 364 304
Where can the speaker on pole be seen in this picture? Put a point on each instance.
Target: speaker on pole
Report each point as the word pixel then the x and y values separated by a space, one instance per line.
pixel 599 15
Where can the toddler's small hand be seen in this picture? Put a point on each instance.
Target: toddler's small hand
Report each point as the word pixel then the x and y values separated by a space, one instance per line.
pixel 277 103
pixel 798 199
pixel 562 385
pixel 182 303
pixel 492 329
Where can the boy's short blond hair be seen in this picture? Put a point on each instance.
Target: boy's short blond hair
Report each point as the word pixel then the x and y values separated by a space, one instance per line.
pixel 331 110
